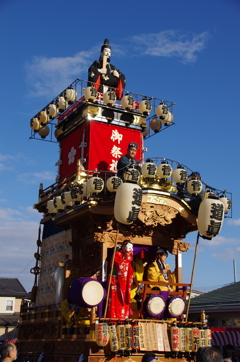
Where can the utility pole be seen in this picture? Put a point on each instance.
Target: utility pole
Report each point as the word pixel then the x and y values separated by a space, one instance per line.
pixel 234 271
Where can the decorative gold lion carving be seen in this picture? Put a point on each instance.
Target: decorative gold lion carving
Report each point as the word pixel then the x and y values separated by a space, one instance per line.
pixel 152 214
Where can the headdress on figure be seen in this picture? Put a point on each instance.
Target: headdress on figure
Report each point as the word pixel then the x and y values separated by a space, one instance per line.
pixel 105 45
pixel 162 251
pixel 133 144
pixel 195 174
pixel 127 242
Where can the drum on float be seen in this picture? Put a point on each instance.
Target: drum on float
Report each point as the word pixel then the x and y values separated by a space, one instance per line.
pixel 175 306
pixel 87 292
pixel 155 306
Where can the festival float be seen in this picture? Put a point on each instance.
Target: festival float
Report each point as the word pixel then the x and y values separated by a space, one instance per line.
pixel 101 286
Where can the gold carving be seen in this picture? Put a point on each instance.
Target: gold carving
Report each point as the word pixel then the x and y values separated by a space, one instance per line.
pixel 139 120
pixel 183 212
pixel 157 200
pixel 93 111
pixel 160 213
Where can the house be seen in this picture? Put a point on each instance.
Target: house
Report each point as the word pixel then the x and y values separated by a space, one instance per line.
pixel 222 308
pixel 11 294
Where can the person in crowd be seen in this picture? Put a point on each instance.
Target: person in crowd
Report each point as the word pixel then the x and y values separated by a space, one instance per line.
pixel 149 357
pixel 8 352
pixel 208 354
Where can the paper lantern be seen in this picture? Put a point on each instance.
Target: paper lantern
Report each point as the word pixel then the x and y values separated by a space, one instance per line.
pixel 113 338
pixel 128 336
pixel 161 110
pixel 109 97
pixel 101 333
pixel 95 185
pixel 58 203
pixel 52 110
pixel 145 132
pixel 113 183
pixel 195 333
pixel 70 95
pixel 208 337
pixel 135 337
pixel 194 186
pixel 43 117
pixel 145 106
pixel 121 338
pixel 156 124
pixel 131 175
pixel 35 124
pixel 51 207
pixel 208 193
pixel 149 169
pixel 168 118
pixel 164 170
pixel 188 339
pixel 67 200
pixel 180 175
pixel 210 217
pixel 175 338
pixel 226 202
pixel 61 104
pixel 127 203
pixel 127 101
pixel 90 94
pixel 44 132
pixel 57 132
pixel 79 192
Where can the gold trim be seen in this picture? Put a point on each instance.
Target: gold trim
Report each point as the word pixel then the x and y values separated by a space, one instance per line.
pixel 183 212
pixel 157 200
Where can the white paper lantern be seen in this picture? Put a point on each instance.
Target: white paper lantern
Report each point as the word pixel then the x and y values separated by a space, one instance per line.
pixel 70 95
pixel 101 333
pixel 95 184
pixel 57 132
pixel 194 186
pixel 127 101
pixel 210 217
pixel 35 124
pixel 51 207
pixel 113 183
pixel 226 202
pixel 90 93
pixel 67 200
pixel 44 132
pixel 149 169
pixel 109 97
pixel 58 203
pixel 131 175
pixel 145 132
pixel 52 110
pixel 168 118
pixel 179 175
pixel 61 104
pixel 145 106
pixel 156 124
pixel 164 170
pixel 43 117
pixel 127 203
pixel 161 110
pixel 208 193
pixel 79 192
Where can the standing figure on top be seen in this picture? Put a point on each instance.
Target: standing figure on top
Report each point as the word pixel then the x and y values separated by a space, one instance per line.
pixel 128 161
pixel 103 75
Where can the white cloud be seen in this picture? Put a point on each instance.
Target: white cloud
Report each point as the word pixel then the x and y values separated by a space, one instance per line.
pixel 234 222
pixel 228 254
pixel 49 76
pixel 172 43
pixel 36 177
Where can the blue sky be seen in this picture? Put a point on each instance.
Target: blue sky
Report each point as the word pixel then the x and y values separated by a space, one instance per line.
pixel 185 51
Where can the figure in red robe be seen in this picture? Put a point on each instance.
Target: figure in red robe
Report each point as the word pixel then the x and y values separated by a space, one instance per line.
pixel 121 282
pixel 103 75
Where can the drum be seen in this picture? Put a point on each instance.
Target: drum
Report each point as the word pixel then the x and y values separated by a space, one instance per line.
pixel 86 292
pixel 175 306
pixel 155 305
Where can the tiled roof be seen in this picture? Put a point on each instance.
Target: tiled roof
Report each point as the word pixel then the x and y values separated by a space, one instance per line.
pixel 9 319
pixel 11 287
pixel 227 295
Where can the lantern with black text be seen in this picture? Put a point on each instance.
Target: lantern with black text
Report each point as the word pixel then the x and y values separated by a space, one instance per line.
pixel 161 110
pixel 127 101
pixel 95 185
pixel 70 95
pixel 67 200
pixel 135 337
pixel 43 117
pixel 194 186
pixel 90 94
pixel 156 124
pixel 179 175
pixel 51 207
pixel 131 175
pixel 168 118
pixel 121 338
pixel 195 332
pixel 226 202
pixel 61 104
pixel 35 124
pixel 58 203
pixel 52 110
pixel 79 192
pixel 113 183
pixel 210 217
pixel 44 132
pixel 208 193
pixel 208 337
pixel 101 333
pixel 164 170
pixel 145 106
pixel 113 338
pixel 188 339
pixel 149 170
pixel 127 203
pixel 128 337
pixel 109 97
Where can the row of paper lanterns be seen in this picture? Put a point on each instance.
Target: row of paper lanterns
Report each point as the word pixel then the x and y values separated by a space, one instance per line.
pixel 127 101
pixel 40 122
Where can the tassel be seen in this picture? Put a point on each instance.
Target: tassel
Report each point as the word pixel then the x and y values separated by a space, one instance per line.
pixel 142 254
